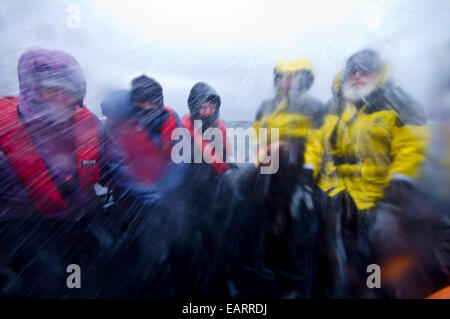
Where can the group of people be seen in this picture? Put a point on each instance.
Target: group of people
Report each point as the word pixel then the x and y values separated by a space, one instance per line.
pixel 345 195
pixel 360 156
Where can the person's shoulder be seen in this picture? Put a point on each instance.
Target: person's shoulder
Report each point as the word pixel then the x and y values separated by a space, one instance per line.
pixel 170 110
pixel 408 110
pixel 186 120
pixel 265 108
pixel 173 119
pixel 313 102
pixel 9 99
pixel 186 117
pixel 306 104
pixel 83 112
pixel 319 111
pixel 101 126
pixel 333 106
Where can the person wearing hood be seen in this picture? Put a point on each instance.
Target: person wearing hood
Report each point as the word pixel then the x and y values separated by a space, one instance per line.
pixel 381 138
pixel 378 145
pixel 141 125
pixel 292 223
pixel 320 167
pixel 204 105
pixel 292 111
pixel 53 151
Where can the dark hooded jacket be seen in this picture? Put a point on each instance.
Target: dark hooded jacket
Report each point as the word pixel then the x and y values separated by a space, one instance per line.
pixel 200 93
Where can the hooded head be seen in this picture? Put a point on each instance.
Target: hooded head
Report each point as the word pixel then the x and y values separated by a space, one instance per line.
pixel 204 104
pixel 51 85
pixel 147 102
pixel 146 91
pixel 293 76
pixel 362 75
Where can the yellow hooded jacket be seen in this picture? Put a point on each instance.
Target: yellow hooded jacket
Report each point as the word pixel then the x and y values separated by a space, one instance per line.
pixel 386 138
pixel 318 150
pixel 363 149
pixel 292 115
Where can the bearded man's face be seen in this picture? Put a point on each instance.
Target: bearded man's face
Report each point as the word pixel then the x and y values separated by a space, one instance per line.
pixel 359 84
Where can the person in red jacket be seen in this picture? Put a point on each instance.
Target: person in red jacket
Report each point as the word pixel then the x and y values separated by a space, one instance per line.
pixel 204 105
pixel 53 151
pixel 141 126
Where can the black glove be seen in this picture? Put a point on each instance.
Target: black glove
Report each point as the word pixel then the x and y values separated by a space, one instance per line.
pixel 306 178
pixel 398 192
pixel 405 198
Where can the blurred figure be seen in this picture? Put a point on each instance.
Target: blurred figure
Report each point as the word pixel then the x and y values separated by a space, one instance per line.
pixel 142 126
pixel 152 227
pixel 292 111
pixel 212 195
pixel 204 106
pixel 319 160
pixel 292 224
pixel 378 145
pixel 318 150
pixel 431 241
pixel 438 168
pixel 53 151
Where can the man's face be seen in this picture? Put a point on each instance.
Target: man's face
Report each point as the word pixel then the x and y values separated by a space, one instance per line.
pixel 207 109
pixel 146 105
pixel 359 84
pixel 57 96
pixel 57 104
pixel 285 83
pixel 360 78
pixel 293 83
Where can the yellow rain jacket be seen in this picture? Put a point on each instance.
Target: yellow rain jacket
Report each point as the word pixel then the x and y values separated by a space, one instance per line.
pixel 363 148
pixel 386 138
pixel 318 150
pixel 292 115
pixel 319 156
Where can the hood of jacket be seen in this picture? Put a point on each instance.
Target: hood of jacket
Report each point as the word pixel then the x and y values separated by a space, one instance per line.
pixel 41 67
pixel 202 92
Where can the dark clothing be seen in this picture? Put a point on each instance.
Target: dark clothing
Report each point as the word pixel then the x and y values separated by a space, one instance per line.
pixel 200 93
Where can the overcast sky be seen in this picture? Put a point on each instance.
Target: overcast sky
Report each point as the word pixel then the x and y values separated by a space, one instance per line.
pixel 233 45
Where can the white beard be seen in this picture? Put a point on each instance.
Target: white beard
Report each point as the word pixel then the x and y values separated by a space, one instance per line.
pixel 355 94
